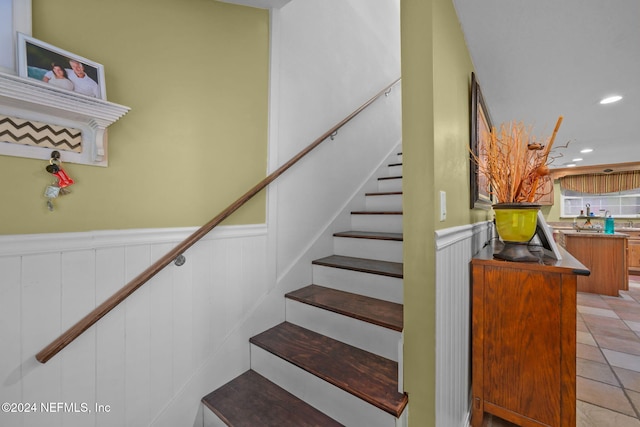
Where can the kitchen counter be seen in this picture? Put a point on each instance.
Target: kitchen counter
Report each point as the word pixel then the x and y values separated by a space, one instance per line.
pixel 633 253
pixel 563 225
pixel 595 234
pixel 604 254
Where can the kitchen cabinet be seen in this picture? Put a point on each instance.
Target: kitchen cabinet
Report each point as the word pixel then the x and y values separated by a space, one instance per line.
pixel 605 255
pixel 524 340
pixel 634 251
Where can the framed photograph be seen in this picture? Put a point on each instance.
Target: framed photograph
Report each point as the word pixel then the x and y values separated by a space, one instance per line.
pixel 480 195
pixel 64 70
pixel 544 239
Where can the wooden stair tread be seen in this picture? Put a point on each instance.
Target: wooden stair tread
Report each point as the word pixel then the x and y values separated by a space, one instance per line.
pixel 373 235
pixel 383 178
pixel 372 310
pixel 376 213
pixel 251 400
pixel 384 193
pixel 395 164
pixel 365 265
pixel 365 375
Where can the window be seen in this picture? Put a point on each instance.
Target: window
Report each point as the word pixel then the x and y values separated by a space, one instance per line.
pixel 623 204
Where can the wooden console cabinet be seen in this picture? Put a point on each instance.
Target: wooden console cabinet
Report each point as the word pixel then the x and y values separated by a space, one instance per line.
pixel 524 340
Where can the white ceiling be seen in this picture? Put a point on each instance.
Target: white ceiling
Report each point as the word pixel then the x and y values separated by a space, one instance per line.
pixel 538 59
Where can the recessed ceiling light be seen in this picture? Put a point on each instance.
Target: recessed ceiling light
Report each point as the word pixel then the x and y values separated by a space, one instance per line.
pixel 611 99
pixel 570 165
pixel 577 159
pixel 586 150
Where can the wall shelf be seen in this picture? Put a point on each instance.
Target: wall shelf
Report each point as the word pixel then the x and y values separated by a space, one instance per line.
pixel 31 100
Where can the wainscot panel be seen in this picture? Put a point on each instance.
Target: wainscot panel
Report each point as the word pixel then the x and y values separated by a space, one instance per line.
pixel 130 366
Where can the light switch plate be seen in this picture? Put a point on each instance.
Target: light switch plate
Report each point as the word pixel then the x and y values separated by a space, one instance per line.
pixel 443 205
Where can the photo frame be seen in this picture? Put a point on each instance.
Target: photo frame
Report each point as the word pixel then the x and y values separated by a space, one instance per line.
pixel 59 68
pixel 544 238
pixel 480 195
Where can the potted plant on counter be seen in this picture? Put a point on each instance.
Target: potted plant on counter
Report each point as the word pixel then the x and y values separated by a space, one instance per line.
pixel 515 165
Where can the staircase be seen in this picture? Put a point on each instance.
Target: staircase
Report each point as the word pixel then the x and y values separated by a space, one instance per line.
pixel 335 360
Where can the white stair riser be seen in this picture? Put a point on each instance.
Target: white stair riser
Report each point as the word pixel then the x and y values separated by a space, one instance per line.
pixel 385 202
pixel 210 418
pixel 333 401
pixel 395 170
pixel 383 250
pixel 385 185
pixel 370 222
pixel 371 285
pixel 367 336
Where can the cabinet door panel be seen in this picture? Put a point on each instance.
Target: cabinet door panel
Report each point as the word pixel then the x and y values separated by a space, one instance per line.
pixel 634 254
pixel 522 342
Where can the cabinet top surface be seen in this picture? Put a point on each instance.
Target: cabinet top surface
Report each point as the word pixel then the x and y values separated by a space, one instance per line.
pixel 615 235
pixel 567 265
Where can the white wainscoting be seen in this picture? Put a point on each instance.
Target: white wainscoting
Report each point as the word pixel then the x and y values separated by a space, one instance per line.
pixel 454 250
pixel 145 352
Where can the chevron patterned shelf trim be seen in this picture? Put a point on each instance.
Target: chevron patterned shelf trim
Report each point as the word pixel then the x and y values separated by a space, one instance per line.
pixel 29 132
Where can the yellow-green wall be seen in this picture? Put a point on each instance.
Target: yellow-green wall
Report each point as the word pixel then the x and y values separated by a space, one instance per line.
pixel 195 75
pixel 436 78
pixel 452 68
pixel 418 210
pixel 552 213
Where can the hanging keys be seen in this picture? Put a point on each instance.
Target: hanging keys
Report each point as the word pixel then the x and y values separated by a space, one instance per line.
pixel 51 192
pixel 63 179
pixel 58 188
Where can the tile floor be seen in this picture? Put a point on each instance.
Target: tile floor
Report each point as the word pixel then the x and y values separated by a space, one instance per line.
pixel 608 360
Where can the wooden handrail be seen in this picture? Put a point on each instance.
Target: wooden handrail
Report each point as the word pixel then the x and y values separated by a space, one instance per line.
pixel 87 321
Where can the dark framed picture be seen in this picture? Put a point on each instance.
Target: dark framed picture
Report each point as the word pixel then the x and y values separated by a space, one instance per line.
pixel 59 68
pixel 480 195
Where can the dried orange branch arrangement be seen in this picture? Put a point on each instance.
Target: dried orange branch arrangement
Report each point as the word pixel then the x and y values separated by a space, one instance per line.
pixel 514 163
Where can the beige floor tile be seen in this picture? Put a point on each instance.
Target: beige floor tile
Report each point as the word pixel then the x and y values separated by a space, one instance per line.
pixel 603 312
pixel 589 352
pixel 585 338
pixel 607 322
pixel 588 415
pixel 624 333
pixel 580 325
pixel 631 346
pixel 622 304
pixel 603 395
pixel 622 360
pixel 634 326
pixel 591 300
pixel 633 316
pixel 491 421
pixel 634 396
pixel 596 371
pixel 630 379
